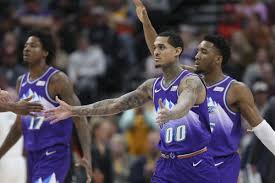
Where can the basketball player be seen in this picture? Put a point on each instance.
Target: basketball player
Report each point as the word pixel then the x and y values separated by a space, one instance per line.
pixel 22 107
pixel 227 101
pixel 47 145
pixel 180 100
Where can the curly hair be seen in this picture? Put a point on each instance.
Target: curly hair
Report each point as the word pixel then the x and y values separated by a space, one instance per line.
pixel 47 42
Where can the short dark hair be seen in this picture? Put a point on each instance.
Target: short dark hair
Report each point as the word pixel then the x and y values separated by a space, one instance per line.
pixel 47 42
pixel 173 39
pixel 221 44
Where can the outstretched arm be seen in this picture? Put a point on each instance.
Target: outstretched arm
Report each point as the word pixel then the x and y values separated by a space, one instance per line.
pixel 191 92
pixel 149 31
pixel 61 85
pixel 130 100
pixel 250 112
pixel 23 107
pixel 246 104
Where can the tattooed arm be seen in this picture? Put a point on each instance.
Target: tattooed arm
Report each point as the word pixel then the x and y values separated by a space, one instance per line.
pixel 130 100
pixel 191 92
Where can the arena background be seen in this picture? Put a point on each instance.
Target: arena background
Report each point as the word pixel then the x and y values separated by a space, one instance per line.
pixel 101 46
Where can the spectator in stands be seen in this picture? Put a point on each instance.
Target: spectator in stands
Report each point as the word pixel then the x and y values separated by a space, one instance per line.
pixel 249 7
pixel 101 152
pixel 136 124
pixel 122 161
pixel 254 70
pixel 10 69
pixel 86 64
pixel 143 168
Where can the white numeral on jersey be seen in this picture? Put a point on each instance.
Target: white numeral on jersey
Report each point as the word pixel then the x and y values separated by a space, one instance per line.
pixel 36 122
pixel 212 126
pixel 180 134
pixel 169 135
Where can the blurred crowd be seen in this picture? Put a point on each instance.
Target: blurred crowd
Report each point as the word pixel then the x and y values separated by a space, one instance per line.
pixel 100 45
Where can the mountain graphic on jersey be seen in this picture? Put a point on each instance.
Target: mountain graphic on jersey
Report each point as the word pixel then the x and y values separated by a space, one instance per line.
pixel 168 104
pixel 217 113
pixel 36 98
pixel 211 105
pixel 50 179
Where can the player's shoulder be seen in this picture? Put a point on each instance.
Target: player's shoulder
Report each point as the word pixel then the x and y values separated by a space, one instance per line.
pixel 151 81
pixel 59 82
pixel 239 89
pixel 147 86
pixel 18 82
pixel 238 86
pixel 19 79
pixel 193 79
pixel 59 76
pixel 148 83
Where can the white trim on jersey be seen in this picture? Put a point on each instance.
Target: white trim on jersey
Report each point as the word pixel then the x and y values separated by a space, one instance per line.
pixel 31 82
pixel 218 83
pixel 224 98
pixel 46 88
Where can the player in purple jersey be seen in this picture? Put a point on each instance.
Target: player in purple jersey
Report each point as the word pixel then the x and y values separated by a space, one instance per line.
pixel 180 100
pixel 227 101
pixel 22 107
pixel 48 146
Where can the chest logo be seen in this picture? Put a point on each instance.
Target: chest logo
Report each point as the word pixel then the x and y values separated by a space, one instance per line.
pixel 218 89
pixel 174 88
pixel 23 84
pixel 157 90
pixel 40 83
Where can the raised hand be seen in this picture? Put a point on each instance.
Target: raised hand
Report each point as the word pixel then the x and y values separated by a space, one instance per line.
pixel 164 114
pixel 88 168
pixel 63 111
pixel 25 107
pixel 141 11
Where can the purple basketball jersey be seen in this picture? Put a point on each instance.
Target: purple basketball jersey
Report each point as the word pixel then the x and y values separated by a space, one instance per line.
pixel 187 134
pixel 225 124
pixel 39 134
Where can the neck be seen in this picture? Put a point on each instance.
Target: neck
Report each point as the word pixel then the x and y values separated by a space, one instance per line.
pixel 170 72
pixel 37 70
pixel 214 76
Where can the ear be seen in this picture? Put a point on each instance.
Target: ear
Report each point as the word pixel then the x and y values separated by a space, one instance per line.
pixel 46 53
pixel 218 59
pixel 178 51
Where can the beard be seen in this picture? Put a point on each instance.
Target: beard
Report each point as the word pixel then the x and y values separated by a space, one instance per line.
pixel 157 66
pixel 198 71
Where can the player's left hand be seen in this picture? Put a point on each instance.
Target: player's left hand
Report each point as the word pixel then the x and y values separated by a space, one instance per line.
pixel 164 114
pixel 88 168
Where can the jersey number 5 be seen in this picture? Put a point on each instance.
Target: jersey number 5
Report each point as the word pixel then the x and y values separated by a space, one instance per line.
pixel 180 134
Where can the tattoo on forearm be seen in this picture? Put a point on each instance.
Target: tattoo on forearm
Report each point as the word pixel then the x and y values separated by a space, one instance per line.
pixel 93 109
pixel 114 106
